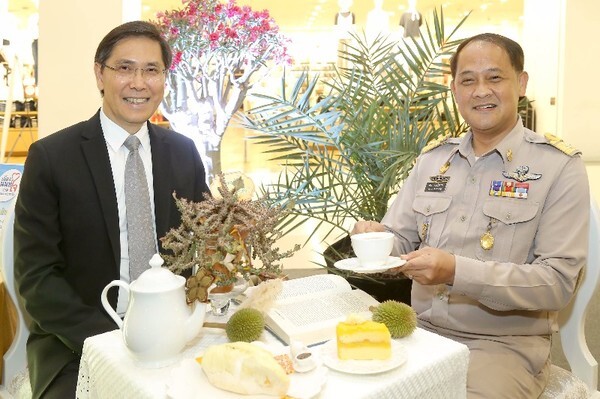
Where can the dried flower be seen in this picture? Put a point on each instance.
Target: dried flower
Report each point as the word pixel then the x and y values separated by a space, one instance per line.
pixel 263 296
pixel 222 235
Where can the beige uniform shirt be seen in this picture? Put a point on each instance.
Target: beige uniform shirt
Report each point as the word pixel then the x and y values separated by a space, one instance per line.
pixel 540 238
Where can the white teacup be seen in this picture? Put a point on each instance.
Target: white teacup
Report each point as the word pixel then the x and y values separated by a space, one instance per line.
pixel 374 248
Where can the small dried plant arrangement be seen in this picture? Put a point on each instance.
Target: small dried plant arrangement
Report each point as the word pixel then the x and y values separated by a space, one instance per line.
pixel 222 237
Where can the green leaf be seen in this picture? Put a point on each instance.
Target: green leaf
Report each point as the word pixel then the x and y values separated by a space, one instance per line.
pixel 343 158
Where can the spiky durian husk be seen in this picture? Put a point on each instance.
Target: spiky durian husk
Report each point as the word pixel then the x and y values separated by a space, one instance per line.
pixel 399 318
pixel 245 325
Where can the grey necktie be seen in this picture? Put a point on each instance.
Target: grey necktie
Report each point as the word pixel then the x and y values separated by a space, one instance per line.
pixel 140 229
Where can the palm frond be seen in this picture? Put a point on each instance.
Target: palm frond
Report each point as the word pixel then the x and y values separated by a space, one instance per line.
pixel 345 156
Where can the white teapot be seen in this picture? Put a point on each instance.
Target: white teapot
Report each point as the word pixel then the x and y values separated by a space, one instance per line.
pixel 158 323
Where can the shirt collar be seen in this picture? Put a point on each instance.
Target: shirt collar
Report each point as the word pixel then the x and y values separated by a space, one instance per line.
pixel 115 135
pixel 507 148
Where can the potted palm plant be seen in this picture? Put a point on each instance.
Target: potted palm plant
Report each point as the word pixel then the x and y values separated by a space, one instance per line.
pixel 346 155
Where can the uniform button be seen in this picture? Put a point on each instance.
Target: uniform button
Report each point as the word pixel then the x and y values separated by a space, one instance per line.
pixel 463 218
pixel 428 209
pixel 441 293
pixel 473 180
pixel 508 216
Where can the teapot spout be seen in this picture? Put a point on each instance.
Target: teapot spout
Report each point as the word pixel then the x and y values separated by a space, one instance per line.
pixel 194 323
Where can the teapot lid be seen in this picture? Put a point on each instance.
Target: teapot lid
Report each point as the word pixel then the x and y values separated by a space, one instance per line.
pixel 157 278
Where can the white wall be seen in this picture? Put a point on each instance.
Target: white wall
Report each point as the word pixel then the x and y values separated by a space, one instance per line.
pixel 561 57
pixel 70 31
pixel 579 85
pixel 541 38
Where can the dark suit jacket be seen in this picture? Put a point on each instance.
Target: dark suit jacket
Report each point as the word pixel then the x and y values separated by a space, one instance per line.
pixel 67 234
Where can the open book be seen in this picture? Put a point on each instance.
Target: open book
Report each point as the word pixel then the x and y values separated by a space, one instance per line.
pixel 309 308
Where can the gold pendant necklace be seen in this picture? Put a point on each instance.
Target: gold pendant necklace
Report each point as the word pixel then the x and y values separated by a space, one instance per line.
pixel 487 239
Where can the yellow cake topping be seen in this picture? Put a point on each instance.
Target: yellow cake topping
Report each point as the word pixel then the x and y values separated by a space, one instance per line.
pixel 366 340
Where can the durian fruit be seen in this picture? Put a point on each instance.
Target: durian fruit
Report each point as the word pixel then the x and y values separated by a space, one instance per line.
pixel 398 317
pixel 245 325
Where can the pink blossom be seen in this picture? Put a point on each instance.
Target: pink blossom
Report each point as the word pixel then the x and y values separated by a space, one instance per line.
pixel 233 11
pixel 205 28
pixel 230 33
pixel 192 10
pixel 176 59
pixel 265 26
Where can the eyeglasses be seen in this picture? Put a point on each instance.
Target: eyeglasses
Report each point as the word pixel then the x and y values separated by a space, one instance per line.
pixel 149 73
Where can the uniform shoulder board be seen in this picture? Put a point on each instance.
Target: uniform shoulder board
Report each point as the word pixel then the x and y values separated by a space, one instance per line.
pixel 561 145
pixel 436 143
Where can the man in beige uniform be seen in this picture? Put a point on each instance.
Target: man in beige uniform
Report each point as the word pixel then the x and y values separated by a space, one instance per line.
pixel 495 227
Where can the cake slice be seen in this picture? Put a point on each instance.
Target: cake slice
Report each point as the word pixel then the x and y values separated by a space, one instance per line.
pixel 363 340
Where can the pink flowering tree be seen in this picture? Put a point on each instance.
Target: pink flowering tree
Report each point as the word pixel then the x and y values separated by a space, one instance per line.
pixel 219 51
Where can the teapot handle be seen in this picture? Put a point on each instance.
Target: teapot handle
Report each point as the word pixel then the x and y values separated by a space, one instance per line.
pixel 109 309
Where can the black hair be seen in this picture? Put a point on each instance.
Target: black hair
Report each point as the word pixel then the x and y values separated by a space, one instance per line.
pixel 132 29
pixel 512 48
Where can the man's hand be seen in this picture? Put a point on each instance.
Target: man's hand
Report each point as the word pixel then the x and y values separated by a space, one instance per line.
pixel 364 226
pixel 428 266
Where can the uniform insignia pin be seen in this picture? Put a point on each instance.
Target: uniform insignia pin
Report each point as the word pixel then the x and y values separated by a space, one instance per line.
pixel 509 155
pixel 444 168
pixel 510 189
pixel 439 178
pixel 522 174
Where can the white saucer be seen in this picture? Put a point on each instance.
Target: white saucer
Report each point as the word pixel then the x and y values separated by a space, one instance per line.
pixel 353 265
pixel 330 359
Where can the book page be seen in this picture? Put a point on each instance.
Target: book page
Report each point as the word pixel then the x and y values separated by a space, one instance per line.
pixel 313 319
pixel 317 284
pixel 325 307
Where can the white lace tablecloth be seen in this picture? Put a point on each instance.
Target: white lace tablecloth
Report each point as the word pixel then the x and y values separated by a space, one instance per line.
pixel 435 368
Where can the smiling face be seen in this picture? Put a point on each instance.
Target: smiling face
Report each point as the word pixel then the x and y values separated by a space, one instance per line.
pixel 487 89
pixel 130 101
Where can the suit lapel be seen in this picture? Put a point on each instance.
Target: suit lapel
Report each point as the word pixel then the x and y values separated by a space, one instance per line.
pixel 96 156
pixel 161 172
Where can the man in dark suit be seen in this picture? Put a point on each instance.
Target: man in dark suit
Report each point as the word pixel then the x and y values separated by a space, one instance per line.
pixel 70 217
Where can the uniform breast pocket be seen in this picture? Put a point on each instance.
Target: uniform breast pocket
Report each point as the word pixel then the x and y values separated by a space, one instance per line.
pixel 513 226
pixel 431 215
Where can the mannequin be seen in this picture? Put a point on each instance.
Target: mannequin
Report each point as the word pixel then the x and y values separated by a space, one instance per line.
pixel 345 19
pixel 378 21
pixel 32 27
pixel 411 20
pixel 344 27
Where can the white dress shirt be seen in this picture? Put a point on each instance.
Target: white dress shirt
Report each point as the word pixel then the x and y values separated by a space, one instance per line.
pixel 115 137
